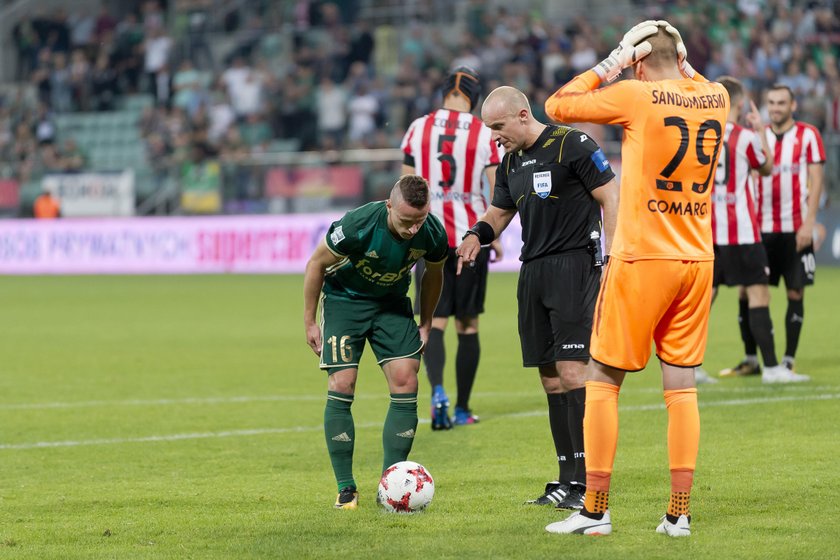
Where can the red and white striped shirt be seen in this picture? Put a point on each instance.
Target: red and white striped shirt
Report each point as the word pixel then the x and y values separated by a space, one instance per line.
pixel 784 194
pixel 735 216
pixel 451 150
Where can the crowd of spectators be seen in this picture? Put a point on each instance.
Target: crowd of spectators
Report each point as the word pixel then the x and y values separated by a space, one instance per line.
pixel 28 144
pixel 344 83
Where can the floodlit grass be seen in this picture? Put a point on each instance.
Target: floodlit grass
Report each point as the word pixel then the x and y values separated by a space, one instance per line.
pixel 180 417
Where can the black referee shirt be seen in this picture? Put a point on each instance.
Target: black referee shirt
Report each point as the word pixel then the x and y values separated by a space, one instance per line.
pixel 550 185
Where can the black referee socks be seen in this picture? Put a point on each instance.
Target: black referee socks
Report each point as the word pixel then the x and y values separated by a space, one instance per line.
pixel 794 318
pixel 761 326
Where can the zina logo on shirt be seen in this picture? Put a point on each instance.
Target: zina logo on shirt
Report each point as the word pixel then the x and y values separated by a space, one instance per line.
pixel 542 183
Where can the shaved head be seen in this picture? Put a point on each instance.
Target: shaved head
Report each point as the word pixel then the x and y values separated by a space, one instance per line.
pixel 505 100
pixel 408 206
pixel 413 189
pixel 664 51
pixel 507 113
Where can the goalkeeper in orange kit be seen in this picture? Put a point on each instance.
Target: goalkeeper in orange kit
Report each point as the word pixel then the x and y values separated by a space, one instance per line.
pixel 658 283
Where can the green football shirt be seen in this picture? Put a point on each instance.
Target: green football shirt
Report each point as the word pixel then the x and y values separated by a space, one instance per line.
pixel 376 264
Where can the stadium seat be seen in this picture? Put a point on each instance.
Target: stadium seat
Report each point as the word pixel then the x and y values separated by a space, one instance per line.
pixel 111 139
pixel 284 145
pixel 137 102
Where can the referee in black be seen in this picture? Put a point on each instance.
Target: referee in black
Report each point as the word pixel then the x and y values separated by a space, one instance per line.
pixel 558 179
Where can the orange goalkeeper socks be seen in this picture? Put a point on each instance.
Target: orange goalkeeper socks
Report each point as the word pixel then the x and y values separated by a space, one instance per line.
pixel 683 445
pixel 600 437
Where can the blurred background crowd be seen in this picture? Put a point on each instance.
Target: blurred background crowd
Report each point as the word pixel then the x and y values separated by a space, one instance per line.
pixel 221 92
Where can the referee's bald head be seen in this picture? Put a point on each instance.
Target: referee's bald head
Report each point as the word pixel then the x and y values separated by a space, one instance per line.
pixel 507 113
pixel 505 100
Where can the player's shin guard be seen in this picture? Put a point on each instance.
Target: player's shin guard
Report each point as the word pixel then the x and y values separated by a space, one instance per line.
pixel 794 319
pixel 558 420
pixel 434 356
pixel 341 436
pixel 683 445
pixel 744 325
pixel 466 365
pixel 761 326
pixel 600 437
pixel 399 429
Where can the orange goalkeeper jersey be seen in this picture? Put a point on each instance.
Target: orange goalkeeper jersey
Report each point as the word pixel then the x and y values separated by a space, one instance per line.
pixel 673 131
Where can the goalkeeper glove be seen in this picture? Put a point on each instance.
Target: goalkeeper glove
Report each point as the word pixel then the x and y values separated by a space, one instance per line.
pixel 630 50
pixel 682 55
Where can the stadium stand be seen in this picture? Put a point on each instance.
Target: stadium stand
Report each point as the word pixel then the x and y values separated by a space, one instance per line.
pixel 158 87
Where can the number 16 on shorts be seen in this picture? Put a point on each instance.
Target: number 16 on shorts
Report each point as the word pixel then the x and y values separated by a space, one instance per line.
pixel 340 349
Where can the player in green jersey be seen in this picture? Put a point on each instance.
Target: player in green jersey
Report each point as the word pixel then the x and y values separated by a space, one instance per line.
pixel 362 272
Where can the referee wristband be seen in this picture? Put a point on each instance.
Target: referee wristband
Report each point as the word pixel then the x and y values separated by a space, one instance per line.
pixel 483 231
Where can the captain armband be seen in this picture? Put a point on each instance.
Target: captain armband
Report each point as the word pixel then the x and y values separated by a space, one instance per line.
pixel 483 231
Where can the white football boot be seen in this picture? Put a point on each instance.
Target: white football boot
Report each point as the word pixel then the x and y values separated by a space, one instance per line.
pixel 682 528
pixel 577 524
pixel 781 374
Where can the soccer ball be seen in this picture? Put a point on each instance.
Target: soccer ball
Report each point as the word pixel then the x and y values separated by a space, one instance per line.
pixel 405 487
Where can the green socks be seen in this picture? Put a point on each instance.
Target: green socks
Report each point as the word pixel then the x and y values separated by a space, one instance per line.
pixel 399 429
pixel 341 435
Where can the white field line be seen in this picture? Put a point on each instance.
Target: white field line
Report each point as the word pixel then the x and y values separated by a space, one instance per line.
pixel 300 429
pixel 703 404
pixel 363 396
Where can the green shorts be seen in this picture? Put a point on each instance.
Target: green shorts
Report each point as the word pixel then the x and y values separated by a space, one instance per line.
pixel 347 323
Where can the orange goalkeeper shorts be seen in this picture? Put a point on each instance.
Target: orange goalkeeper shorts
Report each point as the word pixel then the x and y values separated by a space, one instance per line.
pixel 663 301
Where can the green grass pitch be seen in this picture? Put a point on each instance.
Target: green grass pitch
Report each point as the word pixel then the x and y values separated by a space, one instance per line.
pixel 180 417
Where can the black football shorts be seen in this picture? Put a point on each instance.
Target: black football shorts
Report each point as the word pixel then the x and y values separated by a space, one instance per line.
pixel 557 297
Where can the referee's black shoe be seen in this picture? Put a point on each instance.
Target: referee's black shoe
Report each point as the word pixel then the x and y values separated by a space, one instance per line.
pixel 574 498
pixel 554 493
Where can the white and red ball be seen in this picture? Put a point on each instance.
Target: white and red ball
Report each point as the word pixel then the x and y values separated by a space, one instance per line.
pixel 406 487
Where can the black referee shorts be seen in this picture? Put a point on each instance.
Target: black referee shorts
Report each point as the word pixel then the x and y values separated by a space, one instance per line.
pixel 556 302
pixel 797 267
pixel 740 265
pixel 462 295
